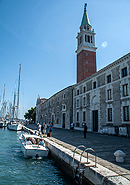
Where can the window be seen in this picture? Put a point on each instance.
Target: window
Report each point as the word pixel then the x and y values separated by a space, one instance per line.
pixel 78 92
pixel 86 54
pixel 84 101
pixel 126 113
pixel 109 97
pixel 86 61
pixel 94 85
pixel 108 78
pixel 84 89
pixel 91 39
pixel 87 27
pixel 124 72
pixel 86 70
pixel 78 103
pixel 64 96
pixel 77 116
pixel 58 109
pixel 63 107
pixel 84 116
pixel 125 90
pixel 58 98
pixel 110 114
pixel 88 38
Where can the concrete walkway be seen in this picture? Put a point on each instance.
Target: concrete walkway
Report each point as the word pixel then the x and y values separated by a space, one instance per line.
pixel 104 146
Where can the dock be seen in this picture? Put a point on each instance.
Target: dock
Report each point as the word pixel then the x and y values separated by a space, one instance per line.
pixel 107 171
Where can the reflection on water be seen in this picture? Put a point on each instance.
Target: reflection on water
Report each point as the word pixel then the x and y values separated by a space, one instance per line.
pixel 15 169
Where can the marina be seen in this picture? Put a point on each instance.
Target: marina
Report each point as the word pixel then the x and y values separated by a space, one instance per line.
pixel 16 169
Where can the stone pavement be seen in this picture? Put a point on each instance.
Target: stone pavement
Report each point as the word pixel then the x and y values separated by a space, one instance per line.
pixel 104 146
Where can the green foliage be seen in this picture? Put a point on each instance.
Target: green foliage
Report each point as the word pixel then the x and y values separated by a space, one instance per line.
pixel 31 114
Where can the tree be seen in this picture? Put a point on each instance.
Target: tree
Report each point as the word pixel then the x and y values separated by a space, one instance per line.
pixel 31 114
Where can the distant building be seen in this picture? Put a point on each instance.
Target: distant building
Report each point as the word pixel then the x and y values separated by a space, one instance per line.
pixel 58 109
pixel 39 102
pixel 100 98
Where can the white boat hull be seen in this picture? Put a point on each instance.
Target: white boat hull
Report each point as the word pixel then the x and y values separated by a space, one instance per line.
pixel 33 150
pixel 16 127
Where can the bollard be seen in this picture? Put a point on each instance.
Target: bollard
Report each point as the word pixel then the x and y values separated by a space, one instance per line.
pixel 119 156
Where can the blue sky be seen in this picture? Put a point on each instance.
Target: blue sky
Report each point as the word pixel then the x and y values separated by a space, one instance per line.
pixel 41 35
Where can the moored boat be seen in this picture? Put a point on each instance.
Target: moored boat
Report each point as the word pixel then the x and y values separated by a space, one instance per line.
pixel 15 126
pixel 2 124
pixel 32 146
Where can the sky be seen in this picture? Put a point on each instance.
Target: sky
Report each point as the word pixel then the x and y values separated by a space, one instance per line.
pixel 41 36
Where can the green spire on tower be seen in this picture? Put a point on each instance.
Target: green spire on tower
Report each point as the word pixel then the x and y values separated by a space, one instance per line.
pixel 85 19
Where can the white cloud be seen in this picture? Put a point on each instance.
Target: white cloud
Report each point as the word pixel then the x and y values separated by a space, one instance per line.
pixel 104 44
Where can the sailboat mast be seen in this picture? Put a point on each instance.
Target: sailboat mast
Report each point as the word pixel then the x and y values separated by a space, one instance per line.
pixel 3 103
pixel 14 100
pixel 18 91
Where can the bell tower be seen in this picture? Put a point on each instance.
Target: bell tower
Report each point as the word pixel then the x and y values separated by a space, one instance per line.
pixel 86 50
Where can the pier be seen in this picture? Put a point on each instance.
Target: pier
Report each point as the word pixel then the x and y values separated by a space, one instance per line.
pixel 107 171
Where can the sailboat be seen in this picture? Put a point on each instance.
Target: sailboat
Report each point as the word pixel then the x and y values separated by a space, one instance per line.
pixel 15 124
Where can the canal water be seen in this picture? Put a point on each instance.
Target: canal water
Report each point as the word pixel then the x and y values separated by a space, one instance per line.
pixel 17 170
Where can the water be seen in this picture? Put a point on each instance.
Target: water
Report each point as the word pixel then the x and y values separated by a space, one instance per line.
pixel 17 170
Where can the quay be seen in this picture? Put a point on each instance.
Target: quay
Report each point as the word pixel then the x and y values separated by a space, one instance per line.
pixel 107 171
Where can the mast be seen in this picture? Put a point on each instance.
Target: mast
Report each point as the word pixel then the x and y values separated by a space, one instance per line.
pixel 3 104
pixel 17 115
pixel 14 100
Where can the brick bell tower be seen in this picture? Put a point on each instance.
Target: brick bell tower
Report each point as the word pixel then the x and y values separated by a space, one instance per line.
pixel 86 50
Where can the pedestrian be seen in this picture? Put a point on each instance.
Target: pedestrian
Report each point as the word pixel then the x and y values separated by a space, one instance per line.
pixel 44 129
pixel 50 129
pixel 84 129
pixel 39 128
pixel 72 126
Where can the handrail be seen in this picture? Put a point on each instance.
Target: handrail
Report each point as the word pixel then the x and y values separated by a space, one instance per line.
pixel 75 151
pixel 87 149
pixel 80 146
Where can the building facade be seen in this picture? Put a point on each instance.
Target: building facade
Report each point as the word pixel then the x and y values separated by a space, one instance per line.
pixel 58 109
pixel 104 97
pixel 98 99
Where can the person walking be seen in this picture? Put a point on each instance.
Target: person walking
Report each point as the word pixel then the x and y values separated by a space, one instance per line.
pixel 84 129
pixel 50 129
pixel 72 126
pixel 44 129
pixel 39 128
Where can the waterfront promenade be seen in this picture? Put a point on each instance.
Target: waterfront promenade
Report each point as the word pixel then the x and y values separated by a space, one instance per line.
pixel 104 146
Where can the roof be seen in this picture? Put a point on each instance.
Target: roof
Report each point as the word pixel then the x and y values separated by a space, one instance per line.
pixel 85 19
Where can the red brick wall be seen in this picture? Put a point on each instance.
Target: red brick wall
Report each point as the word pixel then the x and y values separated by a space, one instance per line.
pixel 82 65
